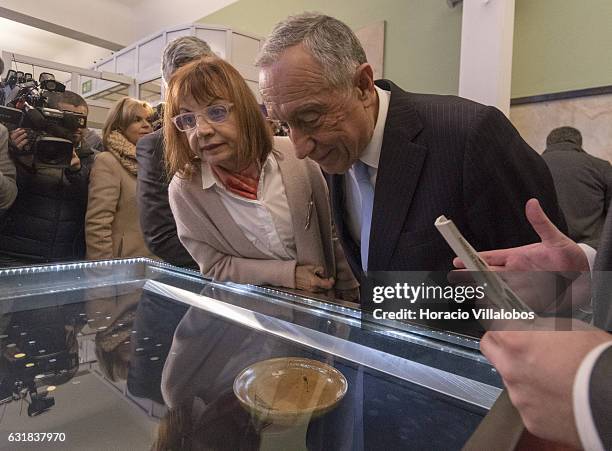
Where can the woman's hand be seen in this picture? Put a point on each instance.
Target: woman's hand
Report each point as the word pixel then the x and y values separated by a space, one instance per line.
pixel 308 278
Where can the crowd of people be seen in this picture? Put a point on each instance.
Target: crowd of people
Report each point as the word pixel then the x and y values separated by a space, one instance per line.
pixel 355 187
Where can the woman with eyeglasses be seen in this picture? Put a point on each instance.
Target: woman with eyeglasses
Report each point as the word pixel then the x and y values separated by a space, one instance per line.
pixel 112 228
pixel 246 208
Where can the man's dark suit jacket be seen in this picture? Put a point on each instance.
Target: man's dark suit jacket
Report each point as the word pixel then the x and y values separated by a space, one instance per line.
pixel 600 388
pixel 444 155
pixel 156 219
pixel 600 397
pixel 584 188
pixel 602 280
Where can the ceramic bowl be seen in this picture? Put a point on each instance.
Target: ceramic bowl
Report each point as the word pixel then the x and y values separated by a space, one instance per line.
pixel 289 390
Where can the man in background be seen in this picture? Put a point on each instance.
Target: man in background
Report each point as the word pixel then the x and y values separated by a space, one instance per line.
pixel 583 183
pixel 156 219
pixel 86 139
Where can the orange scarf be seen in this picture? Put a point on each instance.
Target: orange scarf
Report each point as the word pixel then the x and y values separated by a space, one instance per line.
pixel 238 183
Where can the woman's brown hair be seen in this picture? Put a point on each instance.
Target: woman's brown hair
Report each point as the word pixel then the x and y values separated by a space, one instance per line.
pixel 122 115
pixel 206 80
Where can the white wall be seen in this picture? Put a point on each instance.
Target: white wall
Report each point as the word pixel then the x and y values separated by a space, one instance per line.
pixel 486 52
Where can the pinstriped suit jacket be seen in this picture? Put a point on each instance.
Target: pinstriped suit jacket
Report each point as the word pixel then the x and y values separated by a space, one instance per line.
pixel 444 155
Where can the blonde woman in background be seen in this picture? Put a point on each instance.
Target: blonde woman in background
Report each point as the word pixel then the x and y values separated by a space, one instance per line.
pixel 111 225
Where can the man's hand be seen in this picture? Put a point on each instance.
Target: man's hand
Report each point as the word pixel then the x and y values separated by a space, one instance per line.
pixel 528 269
pixel 556 252
pixel 538 367
pixel 308 278
pixel 19 138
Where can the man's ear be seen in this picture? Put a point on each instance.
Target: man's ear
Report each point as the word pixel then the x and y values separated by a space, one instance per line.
pixel 363 80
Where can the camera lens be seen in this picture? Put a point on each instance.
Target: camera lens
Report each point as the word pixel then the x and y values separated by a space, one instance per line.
pixel 53 151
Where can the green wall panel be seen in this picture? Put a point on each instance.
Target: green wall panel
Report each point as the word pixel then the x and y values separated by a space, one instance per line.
pixel 559 45
pixel 422 41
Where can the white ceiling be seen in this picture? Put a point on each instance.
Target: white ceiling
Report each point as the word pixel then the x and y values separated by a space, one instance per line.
pixel 119 21
pixel 30 41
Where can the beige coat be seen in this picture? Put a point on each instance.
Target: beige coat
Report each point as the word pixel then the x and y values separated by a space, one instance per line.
pixel 224 253
pixel 112 229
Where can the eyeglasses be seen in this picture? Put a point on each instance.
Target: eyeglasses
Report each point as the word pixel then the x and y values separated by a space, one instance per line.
pixel 213 114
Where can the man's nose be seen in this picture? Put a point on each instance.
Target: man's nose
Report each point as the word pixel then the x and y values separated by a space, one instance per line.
pixel 303 143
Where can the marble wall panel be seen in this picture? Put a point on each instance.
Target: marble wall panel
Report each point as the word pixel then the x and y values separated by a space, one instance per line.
pixel 592 115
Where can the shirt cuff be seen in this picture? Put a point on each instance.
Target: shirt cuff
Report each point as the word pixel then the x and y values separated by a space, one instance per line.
pixel 583 415
pixel 590 254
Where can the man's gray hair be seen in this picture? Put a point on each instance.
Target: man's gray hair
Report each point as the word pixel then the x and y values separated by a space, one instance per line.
pixel 181 51
pixel 331 42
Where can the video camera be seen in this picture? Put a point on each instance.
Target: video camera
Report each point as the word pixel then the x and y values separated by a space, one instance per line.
pixel 50 130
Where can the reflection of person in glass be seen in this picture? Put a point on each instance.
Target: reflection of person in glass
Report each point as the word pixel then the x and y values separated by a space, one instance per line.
pixel 246 208
pixel 38 348
pixel 206 355
pixel 112 316
pixel 221 425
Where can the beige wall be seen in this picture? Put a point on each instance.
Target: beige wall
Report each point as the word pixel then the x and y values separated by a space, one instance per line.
pixel 592 115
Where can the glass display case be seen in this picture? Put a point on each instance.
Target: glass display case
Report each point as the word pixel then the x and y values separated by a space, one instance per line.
pixel 136 354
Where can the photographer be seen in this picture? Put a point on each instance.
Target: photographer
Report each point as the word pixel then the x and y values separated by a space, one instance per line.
pixel 46 222
pixel 87 140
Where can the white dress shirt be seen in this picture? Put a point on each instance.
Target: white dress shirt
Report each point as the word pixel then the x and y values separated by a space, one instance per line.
pixel 590 254
pixel 370 156
pixel 266 222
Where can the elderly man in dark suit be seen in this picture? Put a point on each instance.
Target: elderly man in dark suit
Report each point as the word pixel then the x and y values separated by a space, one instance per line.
pixel 397 160
pixel 156 219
